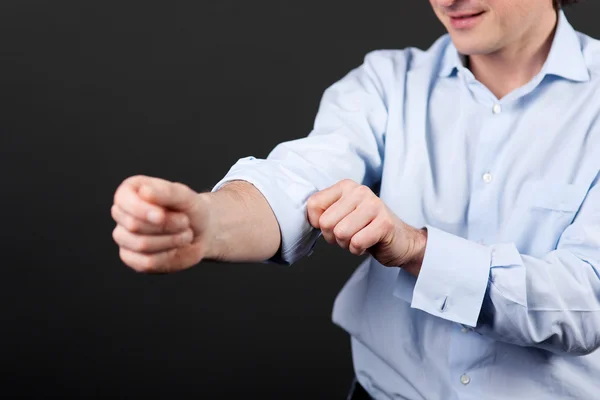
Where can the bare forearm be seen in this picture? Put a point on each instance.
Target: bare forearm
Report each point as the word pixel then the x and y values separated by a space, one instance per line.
pixel 241 225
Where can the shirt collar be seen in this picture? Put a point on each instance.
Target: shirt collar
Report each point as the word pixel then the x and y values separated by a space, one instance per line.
pixel 452 60
pixel 565 58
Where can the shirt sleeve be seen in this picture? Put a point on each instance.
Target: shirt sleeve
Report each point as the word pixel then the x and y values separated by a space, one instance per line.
pixel 347 142
pixel 552 302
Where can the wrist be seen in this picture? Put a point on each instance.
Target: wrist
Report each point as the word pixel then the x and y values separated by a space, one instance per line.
pixel 413 266
pixel 207 233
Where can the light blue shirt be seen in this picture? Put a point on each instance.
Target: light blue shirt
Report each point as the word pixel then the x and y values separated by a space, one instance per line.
pixel 507 304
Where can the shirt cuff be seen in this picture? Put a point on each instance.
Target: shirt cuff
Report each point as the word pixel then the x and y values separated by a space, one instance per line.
pixel 287 195
pixel 453 279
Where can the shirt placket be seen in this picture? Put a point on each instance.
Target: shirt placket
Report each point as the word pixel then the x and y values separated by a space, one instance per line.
pixel 466 345
pixel 482 217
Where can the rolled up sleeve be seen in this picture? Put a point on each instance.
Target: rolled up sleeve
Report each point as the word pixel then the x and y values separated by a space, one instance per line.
pixel 347 142
pixel 287 196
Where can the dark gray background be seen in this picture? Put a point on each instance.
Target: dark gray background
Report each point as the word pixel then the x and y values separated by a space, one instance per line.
pixel 93 92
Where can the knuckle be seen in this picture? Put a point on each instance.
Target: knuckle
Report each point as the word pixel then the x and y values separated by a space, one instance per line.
pixel 124 257
pixel 141 268
pixel 147 264
pixel 177 221
pixel 134 179
pixel 341 232
pixel 131 224
pixel 329 239
pixel 362 190
pixel 139 263
pixel 373 202
pixel 118 194
pixel 114 212
pixel 325 223
pixel 386 224
pixel 176 189
pixel 129 181
pixel 180 186
pixel 356 244
pixel 127 200
pixel 183 220
pixel 347 183
pixel 116 235
pixel 312 202
pixel 178 240
pixel 141 244
pixel 313 219
pixel 354 250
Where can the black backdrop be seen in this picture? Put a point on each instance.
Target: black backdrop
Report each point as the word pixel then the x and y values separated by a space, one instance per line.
pixel 93 92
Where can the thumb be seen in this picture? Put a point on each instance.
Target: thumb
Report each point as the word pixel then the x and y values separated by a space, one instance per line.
pixel 173 195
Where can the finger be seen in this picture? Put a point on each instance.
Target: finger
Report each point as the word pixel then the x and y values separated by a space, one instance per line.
pixel 163 262
pixel 150 243
pixel 173 195
pixel 353 223
pixel 335 214
pixel 322 200
pixel 367 237
pixel 127 198
pixel 174 222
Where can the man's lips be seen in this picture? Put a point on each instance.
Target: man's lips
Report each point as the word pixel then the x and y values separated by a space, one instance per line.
pixel 465 20
pixel 465 14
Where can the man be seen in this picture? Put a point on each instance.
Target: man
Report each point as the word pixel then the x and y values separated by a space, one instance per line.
pixel 482 280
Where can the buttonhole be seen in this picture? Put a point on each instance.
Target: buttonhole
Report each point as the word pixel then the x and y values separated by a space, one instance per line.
pixel 444 304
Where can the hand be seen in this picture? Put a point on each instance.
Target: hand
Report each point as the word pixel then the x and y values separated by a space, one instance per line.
pixel 352 216
pixel 160 224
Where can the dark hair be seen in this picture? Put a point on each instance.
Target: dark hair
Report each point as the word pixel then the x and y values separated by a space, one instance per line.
pixel 561 3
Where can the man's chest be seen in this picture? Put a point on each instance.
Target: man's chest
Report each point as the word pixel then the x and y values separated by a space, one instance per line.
pixel 492 172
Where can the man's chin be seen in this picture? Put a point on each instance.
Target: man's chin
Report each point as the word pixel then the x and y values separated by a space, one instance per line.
pixel 471 48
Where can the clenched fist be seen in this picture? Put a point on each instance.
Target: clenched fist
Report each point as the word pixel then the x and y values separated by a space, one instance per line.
pixel 352 216
pixel 160 224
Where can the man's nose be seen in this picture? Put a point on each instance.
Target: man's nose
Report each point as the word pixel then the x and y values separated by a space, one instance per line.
pixel 446 3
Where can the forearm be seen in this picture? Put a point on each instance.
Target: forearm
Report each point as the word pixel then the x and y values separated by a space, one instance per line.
pixel 241 225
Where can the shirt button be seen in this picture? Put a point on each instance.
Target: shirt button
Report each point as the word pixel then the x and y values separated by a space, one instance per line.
pixel 497 109
pixel 487 177
pixel 465 380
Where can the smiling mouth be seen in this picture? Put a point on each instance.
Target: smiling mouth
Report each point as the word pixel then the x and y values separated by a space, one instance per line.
pixel 465 21
pixel 467 16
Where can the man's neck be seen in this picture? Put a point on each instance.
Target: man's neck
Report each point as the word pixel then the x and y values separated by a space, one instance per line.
pixel 514 66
